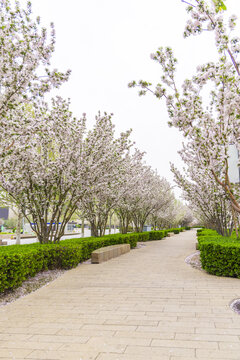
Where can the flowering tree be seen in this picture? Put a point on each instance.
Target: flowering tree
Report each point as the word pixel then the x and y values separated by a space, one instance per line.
pixel 131 189
pixel 110 161
pixel 145 196
pixel 46 169
pixel 164 216
pixel 25 60
pixel 209 126
pixel 188 217
pixel 206 198
pixel 150 198
pixel 173 215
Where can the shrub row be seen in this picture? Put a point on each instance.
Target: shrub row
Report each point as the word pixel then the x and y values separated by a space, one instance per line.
pixel 18 262
pixel 176 230
pixel 159 234
pixel 219 255
pixel 154 235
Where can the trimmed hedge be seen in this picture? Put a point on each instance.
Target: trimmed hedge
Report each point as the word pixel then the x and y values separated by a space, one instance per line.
pixel 219 255
pixel 18 262
pixel 175 230
pixel 106 240
pixel 157 235
pixel 16 265
pixel 153 235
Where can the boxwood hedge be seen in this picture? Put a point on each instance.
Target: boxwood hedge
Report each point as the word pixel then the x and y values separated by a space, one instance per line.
pixel 219 255
pixel 176 230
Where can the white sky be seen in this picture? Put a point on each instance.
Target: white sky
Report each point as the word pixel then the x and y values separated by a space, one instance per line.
pixel 106 44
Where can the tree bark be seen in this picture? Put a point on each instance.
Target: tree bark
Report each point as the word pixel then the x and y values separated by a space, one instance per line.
pixel 18 229
pixel 110 223
pixel 94 229
pixel 82 226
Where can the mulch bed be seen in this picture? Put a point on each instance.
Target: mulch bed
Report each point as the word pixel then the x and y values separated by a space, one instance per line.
pixel 30 285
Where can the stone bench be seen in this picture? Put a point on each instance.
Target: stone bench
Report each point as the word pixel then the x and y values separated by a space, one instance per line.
pixel 170 234
pixel 109 252
pixel 3 242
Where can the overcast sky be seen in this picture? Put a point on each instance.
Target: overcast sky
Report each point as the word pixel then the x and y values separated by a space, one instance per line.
pixel 106 44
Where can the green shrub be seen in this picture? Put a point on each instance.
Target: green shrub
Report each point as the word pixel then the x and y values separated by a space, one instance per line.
pixel 144 236
pixel 61 256
pixel 15 267
pixel 175 230
pixel 219 255
pixel 156 235
pixel 111 239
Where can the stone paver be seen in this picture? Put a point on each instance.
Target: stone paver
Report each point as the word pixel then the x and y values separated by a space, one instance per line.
pixel 145 305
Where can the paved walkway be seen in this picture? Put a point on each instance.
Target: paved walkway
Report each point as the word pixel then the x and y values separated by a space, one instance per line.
pixel 145 305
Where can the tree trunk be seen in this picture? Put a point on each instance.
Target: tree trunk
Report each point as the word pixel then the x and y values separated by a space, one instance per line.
pixel 18 229
pixel 137 227
pixel 155 225
pixel 124 221
pixel 235 222
pixel 82 227
pixel 110 223
pixel 94 229
pixel 141 226
pixel 102 224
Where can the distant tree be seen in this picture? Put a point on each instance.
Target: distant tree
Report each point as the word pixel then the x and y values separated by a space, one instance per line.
pixel 206 198
pixel 164 216
pixel 149 198
pixel 130 190
pixel 110 159
pixel 187 218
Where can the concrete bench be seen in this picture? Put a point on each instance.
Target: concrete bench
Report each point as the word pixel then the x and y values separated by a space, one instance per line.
pixel 109 252
pixel 170 234
pixel 3 242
